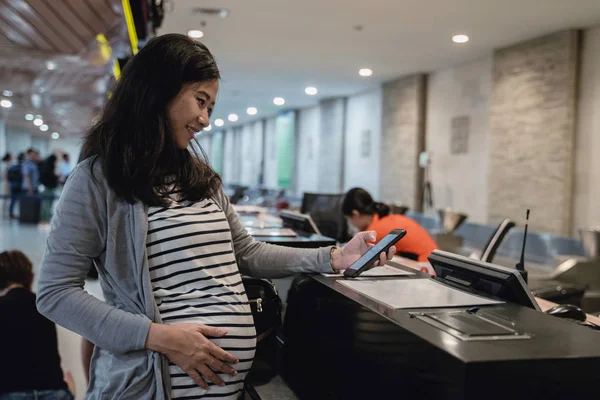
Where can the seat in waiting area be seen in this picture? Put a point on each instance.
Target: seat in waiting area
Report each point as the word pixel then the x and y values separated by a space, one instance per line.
pixel 496 240
pixel 326 212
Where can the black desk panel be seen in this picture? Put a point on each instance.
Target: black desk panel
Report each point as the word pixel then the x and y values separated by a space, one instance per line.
pixel 339 344
pixel 306 242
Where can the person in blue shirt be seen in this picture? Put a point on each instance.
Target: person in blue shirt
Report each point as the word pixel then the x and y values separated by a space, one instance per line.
pixel 31 173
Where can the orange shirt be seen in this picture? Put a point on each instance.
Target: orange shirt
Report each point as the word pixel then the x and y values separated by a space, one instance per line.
pixel 417 240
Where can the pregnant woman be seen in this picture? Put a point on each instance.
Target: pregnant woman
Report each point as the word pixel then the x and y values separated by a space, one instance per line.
pixel 150 213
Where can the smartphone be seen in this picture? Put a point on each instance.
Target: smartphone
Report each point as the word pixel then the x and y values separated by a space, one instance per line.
pixel 367 259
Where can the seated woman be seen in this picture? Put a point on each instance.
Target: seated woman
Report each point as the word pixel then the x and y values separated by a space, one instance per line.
pixel 366 214
pixel 30 364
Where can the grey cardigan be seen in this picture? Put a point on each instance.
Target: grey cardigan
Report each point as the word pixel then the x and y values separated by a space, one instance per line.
pixel 92 225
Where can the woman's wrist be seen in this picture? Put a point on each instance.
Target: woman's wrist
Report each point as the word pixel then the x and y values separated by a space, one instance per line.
pixel 336 259
pixel 156 337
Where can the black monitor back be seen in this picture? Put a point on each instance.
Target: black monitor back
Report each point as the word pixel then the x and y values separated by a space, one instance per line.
pixel 485 278
pixel 326 212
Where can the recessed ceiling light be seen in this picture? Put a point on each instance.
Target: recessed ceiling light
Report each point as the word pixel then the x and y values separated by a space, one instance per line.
pixel 44 128
pixel 207 128
pixel 460 38
pixel 38 122
pixel 195 34
pixel 365 72
pixel 6 103
pixel 219 122
pixel 233 117
pixel 51 65
pixel 311 91
pixel 55 135
pixel 29 117
pixel 39 116
pixel 251 111
pixel 7 93
pixel 279 101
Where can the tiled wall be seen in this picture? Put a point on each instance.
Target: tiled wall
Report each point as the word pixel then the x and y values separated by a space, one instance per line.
pixel 403 135
pixel 362 142
pixel 587 141
pixel 532 132
pixel 331 144
pixel 307 141
pixel 459 181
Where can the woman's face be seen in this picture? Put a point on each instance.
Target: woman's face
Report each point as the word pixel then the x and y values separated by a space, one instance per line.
pixel 359 221
pixel 189 112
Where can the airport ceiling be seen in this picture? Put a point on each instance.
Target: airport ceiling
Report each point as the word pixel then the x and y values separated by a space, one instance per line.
pixel 51 61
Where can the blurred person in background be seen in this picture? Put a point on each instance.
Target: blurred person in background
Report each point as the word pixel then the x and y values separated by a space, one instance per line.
pixel 7 162
pixel 49 179
pixel 30 363
pixel 365 214
pixel 64 168
pixel 151 214
pixel 31 173
pixel 15 181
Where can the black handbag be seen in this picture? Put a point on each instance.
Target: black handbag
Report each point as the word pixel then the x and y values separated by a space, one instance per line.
pixel 266 310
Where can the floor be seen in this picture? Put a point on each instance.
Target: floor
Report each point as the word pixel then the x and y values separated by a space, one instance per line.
pixel 31 240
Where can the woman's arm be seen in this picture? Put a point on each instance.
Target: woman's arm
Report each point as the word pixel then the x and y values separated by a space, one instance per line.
pixel 263 260
pixel 78 235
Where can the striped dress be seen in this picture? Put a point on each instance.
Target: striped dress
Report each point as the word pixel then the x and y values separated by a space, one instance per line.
pixel 195 278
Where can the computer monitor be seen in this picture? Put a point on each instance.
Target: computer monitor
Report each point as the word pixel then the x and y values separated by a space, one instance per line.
pixel 326 212
pixel 299 222
pixel 501 282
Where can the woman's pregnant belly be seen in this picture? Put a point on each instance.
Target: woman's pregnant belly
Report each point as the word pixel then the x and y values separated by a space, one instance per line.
pixel 235 316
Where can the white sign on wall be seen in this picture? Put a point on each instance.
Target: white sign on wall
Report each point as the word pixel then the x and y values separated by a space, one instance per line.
pixel 459 139
pixel 365 148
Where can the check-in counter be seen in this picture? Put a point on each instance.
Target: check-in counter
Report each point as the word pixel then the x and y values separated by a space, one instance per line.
pixel 341 344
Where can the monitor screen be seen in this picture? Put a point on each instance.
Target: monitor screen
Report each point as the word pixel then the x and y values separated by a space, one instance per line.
pixel 494 280
pixel 326 212
pixel 299 222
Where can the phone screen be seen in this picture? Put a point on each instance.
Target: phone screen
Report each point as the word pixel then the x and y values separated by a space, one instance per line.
pixel 375 250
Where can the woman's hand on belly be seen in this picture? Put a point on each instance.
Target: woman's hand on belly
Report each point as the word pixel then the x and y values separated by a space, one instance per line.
pixel 186 345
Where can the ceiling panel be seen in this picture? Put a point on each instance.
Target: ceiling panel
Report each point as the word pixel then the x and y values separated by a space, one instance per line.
pixel 34 33
pixel 8 29
pixel 54 21
pixel 22 20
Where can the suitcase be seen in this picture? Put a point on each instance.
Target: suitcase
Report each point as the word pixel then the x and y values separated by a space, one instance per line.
pixel 29 209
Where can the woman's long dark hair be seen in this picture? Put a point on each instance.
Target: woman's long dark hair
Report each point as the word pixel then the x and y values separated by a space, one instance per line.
pixel 360 200
pixel 133 141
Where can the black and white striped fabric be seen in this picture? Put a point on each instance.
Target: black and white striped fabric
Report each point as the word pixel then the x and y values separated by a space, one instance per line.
pixel 195 278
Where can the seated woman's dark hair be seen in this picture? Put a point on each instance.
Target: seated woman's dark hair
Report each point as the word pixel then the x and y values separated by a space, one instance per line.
pixel 132 139
pixel 15 267
pixel 360 200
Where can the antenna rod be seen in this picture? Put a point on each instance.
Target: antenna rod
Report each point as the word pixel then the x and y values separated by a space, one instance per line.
pixel 521 264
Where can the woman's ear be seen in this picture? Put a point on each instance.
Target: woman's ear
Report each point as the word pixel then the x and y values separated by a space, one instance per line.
pixel 355 213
